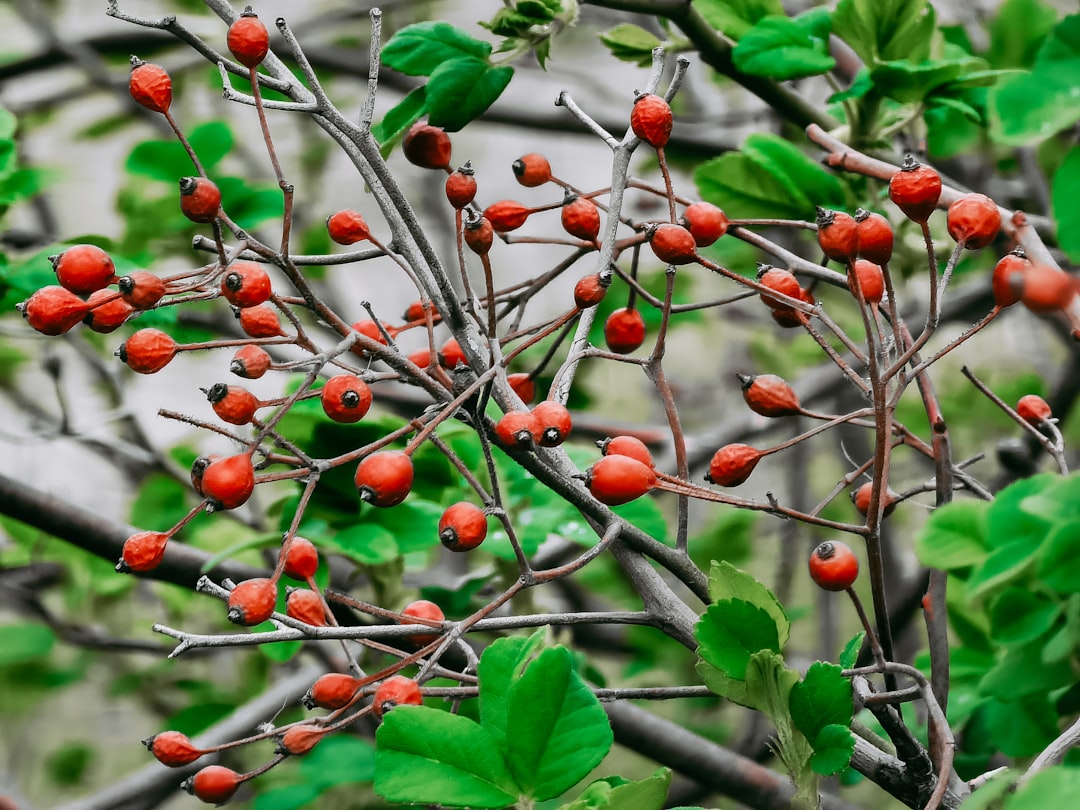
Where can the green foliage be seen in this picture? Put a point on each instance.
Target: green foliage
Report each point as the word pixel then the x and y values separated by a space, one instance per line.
pixel 733 18
pixel 1066 207
pixel 631 43
pixel 787 48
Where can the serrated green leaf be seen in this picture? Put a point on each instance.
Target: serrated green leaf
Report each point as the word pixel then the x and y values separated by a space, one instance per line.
pixel 720 684
pixel 1001 566
pixel 646 794
pixel 822 698
pixel 832 750
pixel 425 756
pixel 1022 672
pixel 1066 206
pixel 419 49
pixel 728 582
pixel 954 536
pixel 769 684
pixel 733 18
pixel 850 654
pixel 783 48
pixel 731 631
pixel 501 664
pixel 883 30
pixel 366 543
pixel 459 91
pixel 630 43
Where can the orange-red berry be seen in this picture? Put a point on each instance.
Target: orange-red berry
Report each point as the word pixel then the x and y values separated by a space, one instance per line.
pixel 246 284
pixel 143 551
pixel 769 395
pixel 173 749
pixel 107 311
pixel 248 39
pixel 651 119
pixel 532 170
pixel 147 351
pixel 141 290
pixel 423 609
pixel 298 740
pixel 384 478
pixel 302 559
pixel 518 429
pixel 732 464
pixel 233 403
pixel 198 468
pixel 834 566
pixel 396 690
pixel 781 281
pixel 461 186
pixel 624 330
pixel 861 498
pixel 838 235
pixel 506 215
pixel 427 146
pixel 305 606
pixel 1046 289
pixel 200 199
pixel 915 189
pixel 523 385
pixel 463 526
pixel 214 784
pixel 53 310
pixel 974 220
pixel 1008 278
pixel 479 234
pixel 875 236
pixel 618 479
pixel 259 321
pixel 1034 409
pixel 345 398
pixel 331 691
pixel 554 422
pixel 150 85
pixel 705 221
pixel 630 446
pixel 451 354
pixel 82 269
pixel 871 280
pixel 250 362
pixel 228 482
pixel 672 244
pixel 252 601
pixel 581 218
pixel 347 227
pixel 589 291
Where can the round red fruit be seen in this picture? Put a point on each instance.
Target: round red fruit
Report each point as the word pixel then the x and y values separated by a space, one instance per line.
pixel 624 331
pixel 875 236
pixel 769 395
pixel 259 321
pixel 246 284
pixel 651 119
pixel 532 170
pixel 838 235
pixel 82 269
pixel 554 421
pixel 143 551
pixel 250 362
pixel 384 478
pixel 834 566
pixel 305 606
pixel 108 311
pixel 298 740
pixel 200 199
pixel 630 446
pixel 461 186
pixel 427 147
pixel 672 244
pixel 1033 409
pixel 252 601
pixel 147 351
pixel 150 85
pixel 581 218
pixel 705 221
pixel 1008 278
pixel 347 227
pixel 871 280
pixel 232 403
pixel 617 479
pixel 523 385
pixel 451 354
pixel 463 526
pixel 506 215
pixel 214 784
pixel 1046 289
pixel 974 220
pixel 518 429
pixel 141 290
pixel 423 609
pixel 861 498
pixel 781 281
pixel 333 690
pixel 302 559
pixel 915 189
pixel 732 464
pixel 479 235
pixel 395 691
pixel 248 39
pixel 53 310
pixel 345 398
pixel 589 291
pixel 228 482
pixel 173 749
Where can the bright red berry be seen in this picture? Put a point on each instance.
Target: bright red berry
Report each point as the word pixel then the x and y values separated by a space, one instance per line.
pixel 200 199
pixel 523 385
pixel 250 362
pixel 150 85
pixel 875 236
pixel 53 310
pixel 506 215
pixel 347 227
pixel 769 395
pixel 228 482
pixel 532 170
pixel 248 39
pixel 871 280
pixel 838 235
pixel 198 468
pixel 861 498
pixel 415 311
pixel 82 269
pixel 461 186
pixel 589 291
pixel 554 421
pixel 395 691
pixel 451 354
pixel 141 290
pixel 421 358
pixel 1008 278
pixel 384 478
pixel 732 464
pixel 259 321
pixel 672 244
pixel 651 119
pixel 214 784
pixel 423 609
pixel 143 551
pixel 581 218
pixel 298 740
pixel 331 691
pixel 617 479
pixel 252 601
pixel 427 147
pixel 345 398
pixel 630 446
pixel 834 566
pixel 108 311
pixel 915 189
pixel 705 221
pixel 302 559
pixel 173 749
pixel 974 220
pixel 246 284
pixel 305 606
pixel 147 351
pixel 1046 289
pixel 370 329
pixel 463 526
pixel 233 403
pixel 479 235
pixel 624 330
pixel 518 429
pixel 781 281
pixel 1034 409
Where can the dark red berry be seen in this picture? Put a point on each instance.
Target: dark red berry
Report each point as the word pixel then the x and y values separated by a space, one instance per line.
pixel 214 784
pixel 461 186
pixel 875 236
pixel 838 235
pixel 384 478
pixel 732 464
pixel 298 740
pixel 108 311
pixel 347 227
pixel 147 351
pixel 1045 289
pixel 518 429
pixel 834 566
pixel 173 749
pixel 150 85
pixel 259 321
pixel 523 385
pixel 1034 409
pixel 479 235
pixel 581 218
pixel 345 398
pixel 250 362
pixel 705 221
pixel 53 310
pixel 532 170
pixel 331 691
pixel 915 189
pixel 506 215
pixel 871 280
pixel 589 291
pixel 672 244
pixel 143 551
pixel 618 479
pixel 974 220
pixel 1008 278
pixel 233 403
pixel 769 395
pixel 427 146
pixel 246 284
pixel 200 199
pixel 463 526
pixel 630 446
pixel 651 119
pixel 395 691
pixel 302 559
pixel 252 601
pixel 423 609
pixel 624 331
pixel 305 606
pixel 141 290
pixel 228 482
pixel 82 269
pixel 554 422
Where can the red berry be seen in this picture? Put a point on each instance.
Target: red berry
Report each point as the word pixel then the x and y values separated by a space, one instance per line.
pixel 1034 409
pixel 423 609
pixel 331 691
pixel 581 218
pixel 532 170
pixel 672 244
pixel 345 398
pixel 875 236
pixel 246 284
pixel 451 354
pixel 461 186
pixel 974 221
pixel 838 235
pixel 463 526
pixel 1046 289
pixel 302 560
pixel 589 291
pixel 298 740
pixel 259 321
pixel 705 221
pixel 200 199
pixel 630 446
pixel 347 227
pixel 233 403
pixel 147 351
pixel 1008 279
pixel 108 311
pixel 554 422
pixel 861 498
pixel 479 235
pixel 228 482
pixel 421 358
pixel 150 85
pixel 250 362
pixel 395 691
pixel 427 146
pixel 506 215
pixel 617 479
pixel 732 464
pixel 143 551
pixel 834 566
pixel 915 189
pixel 305 606
pixel 769 395
pixel 82 269
pixel 252 601
pixel 871 280
pixel 523 385
pixel 141 290
pixel 782 281
pixel 172 748
pixel 53 310
pixel 214 784
pixel 198 468
pixel 384 478
pixel 370 329
pixel 651 119
pixel 518 429
pixel 624 331
pixel 248 39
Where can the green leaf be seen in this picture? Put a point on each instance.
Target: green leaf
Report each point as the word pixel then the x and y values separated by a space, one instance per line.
pixel 728 582
pixel 783 48
pixel 168 161
pixel 720 684
pixel 832 750
pixel 1022 672
pixel 366 543
pixel 1016 32
pixel 1066 207
pixel 501 664
pixel 645 514
pixel 1057 501
pixel 1001 566
pixel 822 698
pixel 1021 728
pixel 413 524
pixel 425 756
pixel 20 643
pixel 910 82
pixel 645 794
pixel 1008 519
pixel 954 536
pixel 1053 787
pixel 160 503
pixel 338 760
pixel 1057 559
pixel 461 90
pixel 992 792
pixel 630 43
pixel 731 631
pixel 1066 639
pixel 400 117
pixel 850 654
pixel 883 30
pixel 1018 616
pixel 419 49
pixel 769 684
pixel 286 798
pixel 733 18
pixel 560 730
